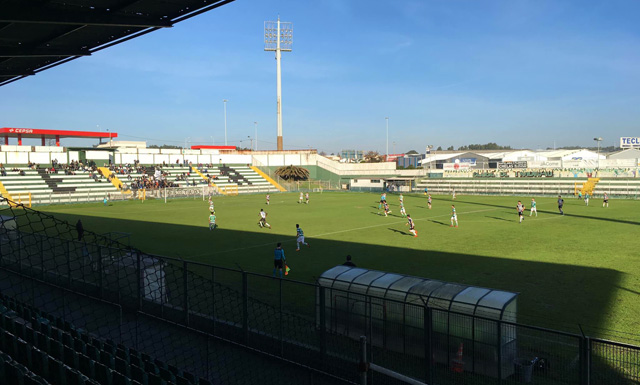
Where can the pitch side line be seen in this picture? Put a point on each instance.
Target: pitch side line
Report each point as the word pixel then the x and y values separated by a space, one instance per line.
pixel 338 232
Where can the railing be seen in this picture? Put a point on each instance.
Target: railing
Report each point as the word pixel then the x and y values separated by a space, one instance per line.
pixel 629 189
pixel 312 328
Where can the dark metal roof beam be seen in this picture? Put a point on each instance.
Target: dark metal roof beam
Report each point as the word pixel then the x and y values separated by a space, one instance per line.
pixel 6 72
pixel 90 17
pixel 41 52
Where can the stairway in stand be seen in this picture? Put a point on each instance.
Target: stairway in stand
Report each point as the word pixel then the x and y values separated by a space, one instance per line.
pixel 589 186
pixel 51 183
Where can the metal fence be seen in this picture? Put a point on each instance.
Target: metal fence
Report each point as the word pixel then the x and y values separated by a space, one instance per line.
pixel 235 326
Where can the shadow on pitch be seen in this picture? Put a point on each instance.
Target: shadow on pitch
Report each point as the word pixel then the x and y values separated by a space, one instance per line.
pixel 551 294
pixel 498 218
pixel 398 231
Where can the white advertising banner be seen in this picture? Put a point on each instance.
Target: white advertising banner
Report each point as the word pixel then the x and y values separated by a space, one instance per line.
pixel 629 142
pixel 456 166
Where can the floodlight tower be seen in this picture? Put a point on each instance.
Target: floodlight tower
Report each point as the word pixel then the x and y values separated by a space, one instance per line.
pixel 278 37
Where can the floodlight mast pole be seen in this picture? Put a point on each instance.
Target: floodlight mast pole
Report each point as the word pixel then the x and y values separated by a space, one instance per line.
pixel 279 87
pixel 278 37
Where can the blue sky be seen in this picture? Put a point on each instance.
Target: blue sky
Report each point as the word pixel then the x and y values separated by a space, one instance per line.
pixel 520 73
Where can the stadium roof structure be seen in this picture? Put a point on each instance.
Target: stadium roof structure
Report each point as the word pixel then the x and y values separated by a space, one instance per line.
pixel 203 147
pixel 41 34
pixel 20 133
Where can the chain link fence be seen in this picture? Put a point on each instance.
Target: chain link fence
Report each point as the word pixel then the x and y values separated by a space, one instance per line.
pixel 233 326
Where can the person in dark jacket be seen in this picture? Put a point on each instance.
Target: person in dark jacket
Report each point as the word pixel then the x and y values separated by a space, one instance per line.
pixel 348 262
pixel 80 229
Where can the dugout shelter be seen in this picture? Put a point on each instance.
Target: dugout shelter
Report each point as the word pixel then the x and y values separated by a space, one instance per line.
pixel 390 309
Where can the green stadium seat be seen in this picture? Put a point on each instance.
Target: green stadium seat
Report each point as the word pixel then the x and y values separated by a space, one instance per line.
pixel 86 338
pixel 70 357
pixel 107 359
pixel 176 371
pixel 30 336
pixel 79 346
pixel 15 373
pixel 8 343
pixel 55 349
pixel 41 341
pixel 122 354
pixel 3 359
pixel 103 374
pixel 86 366
pixel 150 367
pixel 93 352
pixel 154 379
pixel 122 366
pixel 74 377
pixel 56 372
pixel 40 362
pixel 136 360
pixel 139 375
pixel 35 380
pixel 23 352
pixel 167 375
pixel 190 377
pixel 67 340
pixel 120 379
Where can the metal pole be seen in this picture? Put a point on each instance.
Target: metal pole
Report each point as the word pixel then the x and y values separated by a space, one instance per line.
pixel 387 119
pixel 225 121
pixel 255 124
pixel 245 308
pixel 185 283
pixel 363 366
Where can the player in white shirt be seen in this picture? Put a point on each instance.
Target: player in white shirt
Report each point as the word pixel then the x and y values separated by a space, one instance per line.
pixel 262 222
pixel 605 200
pixel 301 197
pixel 401 198
pixel 453 194
pixel 412 227
pixel 429 201
pixel 520 208
pixel 268 197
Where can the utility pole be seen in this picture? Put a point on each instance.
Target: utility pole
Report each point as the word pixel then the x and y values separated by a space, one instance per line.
pixel 225 120
pixel 255 125
pixel 387 119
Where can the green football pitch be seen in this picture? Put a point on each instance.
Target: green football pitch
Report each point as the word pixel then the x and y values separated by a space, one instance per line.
pixel 582 268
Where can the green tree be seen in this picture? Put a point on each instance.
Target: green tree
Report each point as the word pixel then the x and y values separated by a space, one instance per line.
pixel 439 148
pixel 450 148
pixel 292 173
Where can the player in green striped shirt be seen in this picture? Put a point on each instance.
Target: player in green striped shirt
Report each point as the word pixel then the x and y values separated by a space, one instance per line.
pixel 533 207
pixel 212 221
